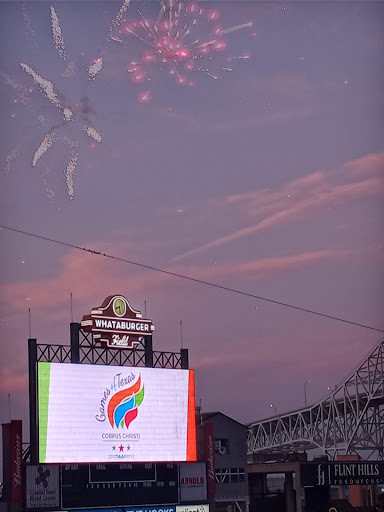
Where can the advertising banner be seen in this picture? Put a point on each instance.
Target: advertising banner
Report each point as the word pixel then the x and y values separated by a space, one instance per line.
pixel 165 508
pixel 7 474
pixel 16 461
pixel 177 508
pixel 193 482
pixel 192 508
pixel 209 445
pixel 42 487
pixel 94 413
pixel 342 473
pixel 102 510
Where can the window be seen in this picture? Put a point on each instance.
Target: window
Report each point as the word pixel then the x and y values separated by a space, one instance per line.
pixel 221 446
pixel 230 475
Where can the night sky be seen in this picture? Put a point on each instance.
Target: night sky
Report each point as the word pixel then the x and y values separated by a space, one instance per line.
pixel 267 179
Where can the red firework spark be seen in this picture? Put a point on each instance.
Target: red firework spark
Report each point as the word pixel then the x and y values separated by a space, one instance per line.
pixel 181 41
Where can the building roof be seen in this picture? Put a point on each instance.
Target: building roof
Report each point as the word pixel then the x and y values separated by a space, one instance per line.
pixel 207 415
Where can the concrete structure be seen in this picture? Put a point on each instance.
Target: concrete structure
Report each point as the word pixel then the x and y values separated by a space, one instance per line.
pixel 230 462
pixel 258 482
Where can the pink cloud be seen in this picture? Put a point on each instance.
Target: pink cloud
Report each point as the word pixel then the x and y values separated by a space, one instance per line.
pixel 258 269
pixel 87 276
pixel 11 382
pixel 297 199
pixel 84 275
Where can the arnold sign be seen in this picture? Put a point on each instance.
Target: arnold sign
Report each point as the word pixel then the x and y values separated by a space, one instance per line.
pixel 116 324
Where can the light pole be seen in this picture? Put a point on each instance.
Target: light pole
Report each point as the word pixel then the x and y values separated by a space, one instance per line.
pixel 305 391
pixel 274 408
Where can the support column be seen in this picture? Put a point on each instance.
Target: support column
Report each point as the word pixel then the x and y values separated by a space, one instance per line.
pixel 299 508
pixel 75 342
pixel 32 372
pixel 289 493
pixel 148 351
pixel 184 359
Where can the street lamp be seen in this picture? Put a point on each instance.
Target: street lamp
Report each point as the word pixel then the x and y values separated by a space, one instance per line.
pixel 305 391
pixel 274 408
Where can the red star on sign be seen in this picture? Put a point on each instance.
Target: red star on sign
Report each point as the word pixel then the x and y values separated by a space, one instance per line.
pixel 121 448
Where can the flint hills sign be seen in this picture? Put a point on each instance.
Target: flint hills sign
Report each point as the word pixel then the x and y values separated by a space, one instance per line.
pixel 116 324
pixel 342 473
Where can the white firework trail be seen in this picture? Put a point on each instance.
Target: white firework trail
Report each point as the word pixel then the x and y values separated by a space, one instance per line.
pixel 56 33
pixel 69 173
pixel 93 133
pixel 237 27
pixel 208 43
pixel 119 17
pixel 16 151
pixel 44 174
pixel 70 70
pixel 117 39
pixel 45 85
pixel 95 68
pixel 29 32
pixel 43 148
pixel 20 90
pixel 68 114
pixel 42 120
pixel 71 143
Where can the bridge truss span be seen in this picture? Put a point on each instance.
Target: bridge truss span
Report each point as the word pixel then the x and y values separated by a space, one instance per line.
pixel 349 421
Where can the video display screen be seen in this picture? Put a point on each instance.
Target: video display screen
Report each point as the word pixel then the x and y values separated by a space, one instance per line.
pixel 94 413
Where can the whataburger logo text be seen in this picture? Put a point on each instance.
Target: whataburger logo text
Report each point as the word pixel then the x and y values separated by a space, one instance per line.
pixel 116 324
pixel 128 325
pixel 121 407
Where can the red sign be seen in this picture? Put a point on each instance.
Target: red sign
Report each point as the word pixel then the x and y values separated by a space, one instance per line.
pixel 209 443
pixel 16 461
pixel 116 324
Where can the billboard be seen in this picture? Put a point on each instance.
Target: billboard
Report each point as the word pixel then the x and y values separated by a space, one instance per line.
pixel 341 473
pixel 193 482
pixel 94 413
pixel 42 487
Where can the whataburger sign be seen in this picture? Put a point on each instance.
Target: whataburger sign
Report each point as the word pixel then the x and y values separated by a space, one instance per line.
pixel 116 324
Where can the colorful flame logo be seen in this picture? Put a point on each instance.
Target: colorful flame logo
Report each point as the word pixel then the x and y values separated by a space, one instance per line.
pixel 123 406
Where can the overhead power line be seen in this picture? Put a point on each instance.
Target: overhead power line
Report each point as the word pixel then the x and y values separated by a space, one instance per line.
pixel 193 279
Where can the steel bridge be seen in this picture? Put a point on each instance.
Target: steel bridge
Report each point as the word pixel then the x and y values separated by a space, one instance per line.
pixel 350 421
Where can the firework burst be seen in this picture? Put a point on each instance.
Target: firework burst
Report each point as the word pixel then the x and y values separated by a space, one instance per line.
pixel 75 116
pixel 47 87
pixel 182 41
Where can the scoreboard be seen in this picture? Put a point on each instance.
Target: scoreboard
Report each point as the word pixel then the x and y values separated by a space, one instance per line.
pixel 55 487
pixel 116 485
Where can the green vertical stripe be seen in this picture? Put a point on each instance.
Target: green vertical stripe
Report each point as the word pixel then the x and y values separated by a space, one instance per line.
pixel 43 379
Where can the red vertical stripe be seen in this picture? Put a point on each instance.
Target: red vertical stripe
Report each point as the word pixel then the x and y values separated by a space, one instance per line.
pixel 191 427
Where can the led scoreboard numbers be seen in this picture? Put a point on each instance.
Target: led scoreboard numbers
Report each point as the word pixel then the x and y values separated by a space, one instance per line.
pixel 122 472
pixel 117 485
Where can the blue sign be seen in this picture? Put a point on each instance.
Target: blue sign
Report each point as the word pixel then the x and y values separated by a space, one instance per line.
pixel 164 508
pixel 101 510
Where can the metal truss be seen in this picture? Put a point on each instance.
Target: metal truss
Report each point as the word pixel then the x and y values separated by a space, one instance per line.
pixel 90 352
pixel 167 360
pixel 54 353
pixel 350 421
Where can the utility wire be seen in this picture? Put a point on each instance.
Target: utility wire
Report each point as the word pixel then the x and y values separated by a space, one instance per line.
pixel 192 279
